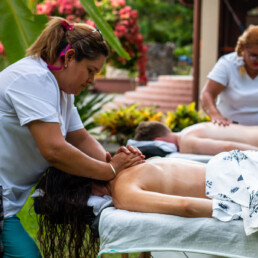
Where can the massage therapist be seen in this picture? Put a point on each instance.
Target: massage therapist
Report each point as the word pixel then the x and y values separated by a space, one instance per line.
pixel 234 81
pixel 40 126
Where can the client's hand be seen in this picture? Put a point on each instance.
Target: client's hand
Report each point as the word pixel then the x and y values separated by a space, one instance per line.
pixel 121 160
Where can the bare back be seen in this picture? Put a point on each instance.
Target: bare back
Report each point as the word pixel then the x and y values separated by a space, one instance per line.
pixel 164 175
pixel 163 185
pixel 233 132
pixel 209 138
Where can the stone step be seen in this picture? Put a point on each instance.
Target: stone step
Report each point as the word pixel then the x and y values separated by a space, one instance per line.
pixel 165 94
pixel 170 85
pixel 163 91
pixel 141 96
pixel 175 78
pixel 162 106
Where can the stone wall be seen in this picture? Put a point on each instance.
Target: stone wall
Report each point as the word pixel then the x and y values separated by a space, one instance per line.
pixel 160 59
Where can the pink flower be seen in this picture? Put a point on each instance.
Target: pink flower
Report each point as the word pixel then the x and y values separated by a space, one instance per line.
pixel 1 49
pixel 41 9
pixel 122 60
pixel 91 23
pixel 125 12
pixel 70 18
pixel 134 14
pixel 115 3
pixel 65 8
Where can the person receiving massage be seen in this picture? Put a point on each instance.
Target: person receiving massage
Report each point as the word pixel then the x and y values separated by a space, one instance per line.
pixel 160 185
pixel 202 138
pixel 41 127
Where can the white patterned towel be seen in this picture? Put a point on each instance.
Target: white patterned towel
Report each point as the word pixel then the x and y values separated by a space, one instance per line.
pixel 232 183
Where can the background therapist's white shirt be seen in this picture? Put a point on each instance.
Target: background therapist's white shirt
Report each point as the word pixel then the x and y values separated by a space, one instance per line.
pixel 28 92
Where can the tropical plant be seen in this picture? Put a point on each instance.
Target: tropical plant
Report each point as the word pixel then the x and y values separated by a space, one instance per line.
pixel 89 104
pixel 20 27
pixel 123 121
pixel 166 21
pixel 184 116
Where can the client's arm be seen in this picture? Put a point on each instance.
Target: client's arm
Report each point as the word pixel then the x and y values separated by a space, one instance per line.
pixel 208 146
pixel 137 199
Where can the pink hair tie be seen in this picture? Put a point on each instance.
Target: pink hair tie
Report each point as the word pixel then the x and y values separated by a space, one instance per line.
pixel 67 26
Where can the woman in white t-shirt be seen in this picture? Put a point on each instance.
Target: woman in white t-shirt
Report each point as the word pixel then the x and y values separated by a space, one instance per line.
pixel 40 126
pixel 234 81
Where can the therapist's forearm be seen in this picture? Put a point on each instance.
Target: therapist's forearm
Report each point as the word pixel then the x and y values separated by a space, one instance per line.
pixel 82 140
pixel 93 148
pixel 73 161
pixel 209 105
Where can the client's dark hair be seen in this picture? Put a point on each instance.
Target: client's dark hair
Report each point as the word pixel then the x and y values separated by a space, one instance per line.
pixel 64 218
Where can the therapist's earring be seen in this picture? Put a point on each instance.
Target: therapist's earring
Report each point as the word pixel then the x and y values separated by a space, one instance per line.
pixel 65 66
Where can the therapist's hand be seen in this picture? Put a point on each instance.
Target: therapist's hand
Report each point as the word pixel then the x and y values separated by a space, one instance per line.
pixel 130 149
pixel 127 150
pixel 121 161
pixel 220 120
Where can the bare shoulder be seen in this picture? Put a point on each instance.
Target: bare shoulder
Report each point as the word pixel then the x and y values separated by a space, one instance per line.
pixel 197 128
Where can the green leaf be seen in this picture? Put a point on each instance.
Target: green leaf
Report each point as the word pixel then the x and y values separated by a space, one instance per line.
pixel 19 28
pixel 105 28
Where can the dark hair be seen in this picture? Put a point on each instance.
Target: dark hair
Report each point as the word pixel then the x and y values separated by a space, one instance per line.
pixel 149 130
pixel 64 218
pixel 54 38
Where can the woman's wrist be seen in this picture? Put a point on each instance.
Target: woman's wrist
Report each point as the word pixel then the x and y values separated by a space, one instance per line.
pixel 113 169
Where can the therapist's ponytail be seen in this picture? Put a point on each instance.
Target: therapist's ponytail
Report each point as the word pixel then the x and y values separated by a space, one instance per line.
pixel 59 33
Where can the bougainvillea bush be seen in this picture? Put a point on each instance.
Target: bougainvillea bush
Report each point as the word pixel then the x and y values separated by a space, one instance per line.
pixel 122 18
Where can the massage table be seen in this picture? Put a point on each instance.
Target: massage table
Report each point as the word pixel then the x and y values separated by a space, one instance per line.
pixel 124 232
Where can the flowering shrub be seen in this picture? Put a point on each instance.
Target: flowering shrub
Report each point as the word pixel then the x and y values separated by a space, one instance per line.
pixel 121 18
pixel 123 121
pixel 184 116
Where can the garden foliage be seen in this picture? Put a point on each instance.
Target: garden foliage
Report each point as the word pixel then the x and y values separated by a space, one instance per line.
pixel 184 116
pixel 166 21
pixel 88 105
pixel 123 121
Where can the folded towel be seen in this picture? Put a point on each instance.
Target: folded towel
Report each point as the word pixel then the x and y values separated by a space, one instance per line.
pixel 232 183
pixel 165 146
pixel 99 203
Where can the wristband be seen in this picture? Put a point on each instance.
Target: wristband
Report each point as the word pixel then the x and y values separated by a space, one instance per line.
pixel 114 171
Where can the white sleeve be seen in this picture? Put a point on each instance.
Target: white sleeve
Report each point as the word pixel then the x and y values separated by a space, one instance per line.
pixel 75 120
pixel 220 72
pixel 34 97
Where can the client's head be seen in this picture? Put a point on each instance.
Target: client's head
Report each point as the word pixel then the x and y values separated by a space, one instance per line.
pixel 153 130
pixel 65 218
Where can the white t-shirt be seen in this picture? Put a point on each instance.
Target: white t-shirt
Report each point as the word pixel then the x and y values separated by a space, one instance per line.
pixel 239 100
pixel 28 92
